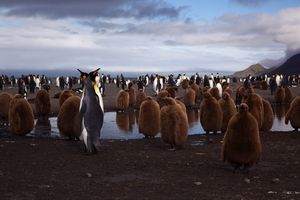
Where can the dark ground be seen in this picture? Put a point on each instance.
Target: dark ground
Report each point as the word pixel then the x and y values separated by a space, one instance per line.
pixel 45 168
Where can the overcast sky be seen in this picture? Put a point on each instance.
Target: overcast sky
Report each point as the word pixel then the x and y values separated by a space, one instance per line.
pixel 147 35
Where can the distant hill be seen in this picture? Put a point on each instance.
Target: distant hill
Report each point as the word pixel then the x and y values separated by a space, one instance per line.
pixel 290 67
pixel 253 70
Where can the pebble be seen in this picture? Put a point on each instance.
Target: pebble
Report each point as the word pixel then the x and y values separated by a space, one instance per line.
pixel 247 180
pixel 33 145
pixel 198 183
pixel 45 186
pixel 89 175
pixel 200 154
pixel 275 180
pixel 272 192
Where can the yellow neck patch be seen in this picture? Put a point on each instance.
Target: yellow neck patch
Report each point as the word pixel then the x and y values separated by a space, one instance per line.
pixel 96 89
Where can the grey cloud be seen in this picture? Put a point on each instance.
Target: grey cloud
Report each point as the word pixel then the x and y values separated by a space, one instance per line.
pixel 91 8
pixel 249 2
pixel 277 62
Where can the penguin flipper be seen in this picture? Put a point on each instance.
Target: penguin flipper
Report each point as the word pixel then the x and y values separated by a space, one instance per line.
pixel 82 110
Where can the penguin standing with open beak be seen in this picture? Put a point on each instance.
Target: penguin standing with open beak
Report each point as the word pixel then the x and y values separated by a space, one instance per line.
pixel 91 111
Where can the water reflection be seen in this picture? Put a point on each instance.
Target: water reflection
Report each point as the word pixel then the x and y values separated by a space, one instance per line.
pixel 193 117
pixel 122 121
pixel 42 127
pixel 45 128
pixel 278 123
pixel 280 111
pixel 124 125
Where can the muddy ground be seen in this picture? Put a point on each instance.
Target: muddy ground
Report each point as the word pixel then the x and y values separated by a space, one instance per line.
pixel 42 168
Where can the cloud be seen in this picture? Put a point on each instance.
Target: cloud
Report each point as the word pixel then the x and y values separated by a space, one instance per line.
pixel 91 9
pixel 230 41
pixel 249 2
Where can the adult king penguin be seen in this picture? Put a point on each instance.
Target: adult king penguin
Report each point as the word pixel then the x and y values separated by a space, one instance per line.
pixel 91 111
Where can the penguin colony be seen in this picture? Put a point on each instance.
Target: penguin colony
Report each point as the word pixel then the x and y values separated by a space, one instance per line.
pixel 76 116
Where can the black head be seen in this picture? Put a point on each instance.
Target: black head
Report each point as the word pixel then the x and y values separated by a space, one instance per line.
pixel 83 75
pixel 93 74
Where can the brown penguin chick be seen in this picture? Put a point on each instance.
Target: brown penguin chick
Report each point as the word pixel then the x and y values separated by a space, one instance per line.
pixel 5 99
pixel 189 98
pixel 178 100
pixel 185 84
pixel 255 105
pixel 241 143
pixel 21 118
pixel 132 95
pixel 68 120
pixel 196 88
pixel 172 91
pixel 215 92
pixel 122 100
pixel 229 91
pixel 228 109
pixel 42 104
pixel 65 95
pixel 140 97
pixel 264 85
pixel 268 116
pixel 174 123
pixel 293 114
pixel 149 117
pixel 57 95
pixel 288 94
pixel 279 95
pixel 211 115
pixel 160 96
pixel 240 92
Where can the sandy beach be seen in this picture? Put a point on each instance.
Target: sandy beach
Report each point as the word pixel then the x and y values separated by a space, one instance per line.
pixel 48 168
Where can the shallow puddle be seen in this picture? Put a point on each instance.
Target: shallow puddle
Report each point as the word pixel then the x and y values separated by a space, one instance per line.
pixel 124 125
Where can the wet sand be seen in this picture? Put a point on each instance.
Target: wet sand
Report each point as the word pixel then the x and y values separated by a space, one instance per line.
pixel 47 168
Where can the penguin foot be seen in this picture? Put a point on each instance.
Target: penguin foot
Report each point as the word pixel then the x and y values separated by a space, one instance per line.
pixel 172 149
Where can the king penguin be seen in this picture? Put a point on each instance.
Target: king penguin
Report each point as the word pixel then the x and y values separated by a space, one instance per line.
pixel 91 111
